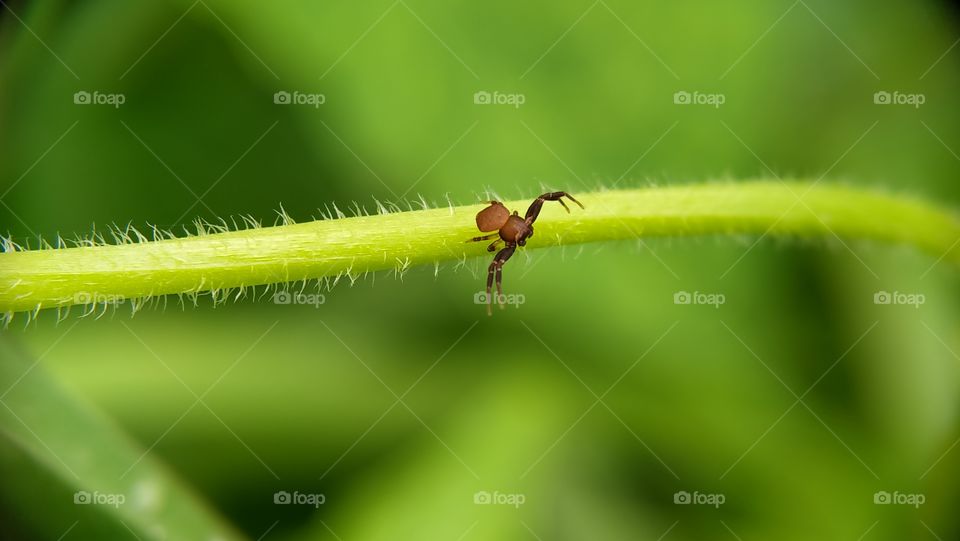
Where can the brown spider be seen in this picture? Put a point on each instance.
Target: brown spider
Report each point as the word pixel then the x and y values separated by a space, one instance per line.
pixel 512 230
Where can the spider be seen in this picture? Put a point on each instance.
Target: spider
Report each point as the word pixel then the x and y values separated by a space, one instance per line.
pixel 513 231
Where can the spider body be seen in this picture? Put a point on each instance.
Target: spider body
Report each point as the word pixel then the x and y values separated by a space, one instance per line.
pixel 512 230
pixel 516 230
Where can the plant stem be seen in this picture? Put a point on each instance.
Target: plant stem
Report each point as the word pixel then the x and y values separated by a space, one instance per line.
pixel 34 279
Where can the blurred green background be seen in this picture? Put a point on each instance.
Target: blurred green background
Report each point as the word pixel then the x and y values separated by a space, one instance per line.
pixel 599 400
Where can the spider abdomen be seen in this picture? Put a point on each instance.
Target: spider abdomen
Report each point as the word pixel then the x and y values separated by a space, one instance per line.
pixel 493 217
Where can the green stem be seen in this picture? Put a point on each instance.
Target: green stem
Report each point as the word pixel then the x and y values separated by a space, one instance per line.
pixel 34 279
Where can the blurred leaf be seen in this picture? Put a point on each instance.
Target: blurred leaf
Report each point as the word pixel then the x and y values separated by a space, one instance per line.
pixel 66 469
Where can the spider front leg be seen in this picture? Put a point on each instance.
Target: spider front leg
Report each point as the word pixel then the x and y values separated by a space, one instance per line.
pixel 534 211
pixel 495 270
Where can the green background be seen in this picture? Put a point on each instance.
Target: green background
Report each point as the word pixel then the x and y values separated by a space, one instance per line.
pixel 598 399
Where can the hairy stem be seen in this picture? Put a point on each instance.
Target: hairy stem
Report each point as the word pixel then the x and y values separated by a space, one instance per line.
pixel 34 279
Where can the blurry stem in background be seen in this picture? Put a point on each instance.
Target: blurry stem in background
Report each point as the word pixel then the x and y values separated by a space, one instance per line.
pixel 333 248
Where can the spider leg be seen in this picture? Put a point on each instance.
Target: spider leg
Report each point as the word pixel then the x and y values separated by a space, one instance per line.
pixel 500 297
pixel 493 245
pixel 484 237
pixel 496 270
pixel 534 211
pixel 490 272
pixel 570 197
